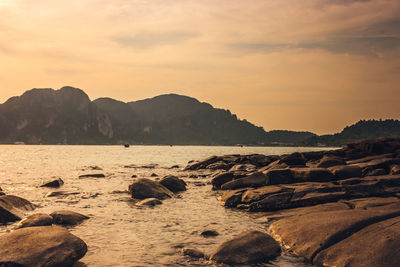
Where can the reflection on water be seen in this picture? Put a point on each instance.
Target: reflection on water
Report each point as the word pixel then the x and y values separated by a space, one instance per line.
pixel 119 233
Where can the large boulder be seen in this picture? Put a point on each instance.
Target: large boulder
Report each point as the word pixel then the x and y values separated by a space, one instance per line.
pixel 13 208
pixel 279 176
pixel 311 174
pixel 145 188
pixel 224 177
pixel 196 165
pixel 309 232
pixel 247 248
pixel 173 183
pixel 66 217
pixel 330 161
pixel 346 171
pixel 53 183
pixel 243 167
pixel 294 159
pixel 220 165
pixel 39 219
pixel 49 246
pixel 256 179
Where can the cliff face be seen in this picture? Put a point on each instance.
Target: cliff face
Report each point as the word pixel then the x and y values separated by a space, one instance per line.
pixel 47 116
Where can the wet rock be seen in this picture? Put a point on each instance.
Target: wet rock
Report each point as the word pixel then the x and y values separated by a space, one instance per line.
pixel 247 248
pixel 173 183
pixel 254 180
pixel 149 202
pixel 60 193
pixel 13 208
pixel 309 233
pixel 330 161
pixel 346 171
pixel 145 188
pixel 225 177
pixel 311 174
pixel 54 183
pixel 96 175
pixel 220 165
pixel 50 246
pixel 66 217
pixel 39 219
pixel 193 253
pixel 209 233
pixel 279 176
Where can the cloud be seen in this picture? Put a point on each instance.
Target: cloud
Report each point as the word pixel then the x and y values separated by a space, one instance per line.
pixel 153 39
pixel 367 46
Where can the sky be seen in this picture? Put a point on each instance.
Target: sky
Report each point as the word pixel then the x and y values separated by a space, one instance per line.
pixel 314 65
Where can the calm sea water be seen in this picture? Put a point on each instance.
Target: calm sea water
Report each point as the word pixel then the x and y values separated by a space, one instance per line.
pixel 120 233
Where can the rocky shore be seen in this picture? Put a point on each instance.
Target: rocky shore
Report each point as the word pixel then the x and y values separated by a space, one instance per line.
pixel 334 208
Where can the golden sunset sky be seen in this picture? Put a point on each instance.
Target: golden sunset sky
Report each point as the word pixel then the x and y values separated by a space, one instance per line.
pixel 313 65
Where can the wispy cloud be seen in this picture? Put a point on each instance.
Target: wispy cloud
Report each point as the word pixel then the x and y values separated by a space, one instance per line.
pixel 153 39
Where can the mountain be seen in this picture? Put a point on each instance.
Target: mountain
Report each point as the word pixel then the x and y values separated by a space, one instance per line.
pixel 68 116
pixel 177 119
pixel 47 116
pixel 362 130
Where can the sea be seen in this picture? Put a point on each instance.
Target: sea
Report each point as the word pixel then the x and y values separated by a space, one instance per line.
pixel 120 233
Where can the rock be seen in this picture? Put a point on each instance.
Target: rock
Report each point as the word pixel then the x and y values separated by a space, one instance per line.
pixel 66 217
pixel 96 175
pixel 220 165
pixel 174 167
pixel 395 169
pixel 13 208
pixel 134 176
pixel 196 165
pixel 294 159
pixel 259 160
pixel 39 219
pixel 279 176
pixel 243 167
pixel 346 171
pixel 254 180
pixel 145 188
pixel 54 183
pixel 383 241
pixel 376 172
pixel 247 248
pixel 330 161
pixel 173 183
pixel 193 253
pixel 225 177
pixel 272 197
pixel 309 233
pixel 209 233
pixel 149 202
pixel 50 246
pixel 311 174
pixel 60 193
pixel 274 165
pixel 154 175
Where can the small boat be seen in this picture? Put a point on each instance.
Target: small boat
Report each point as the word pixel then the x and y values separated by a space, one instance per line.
pixel 126 145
